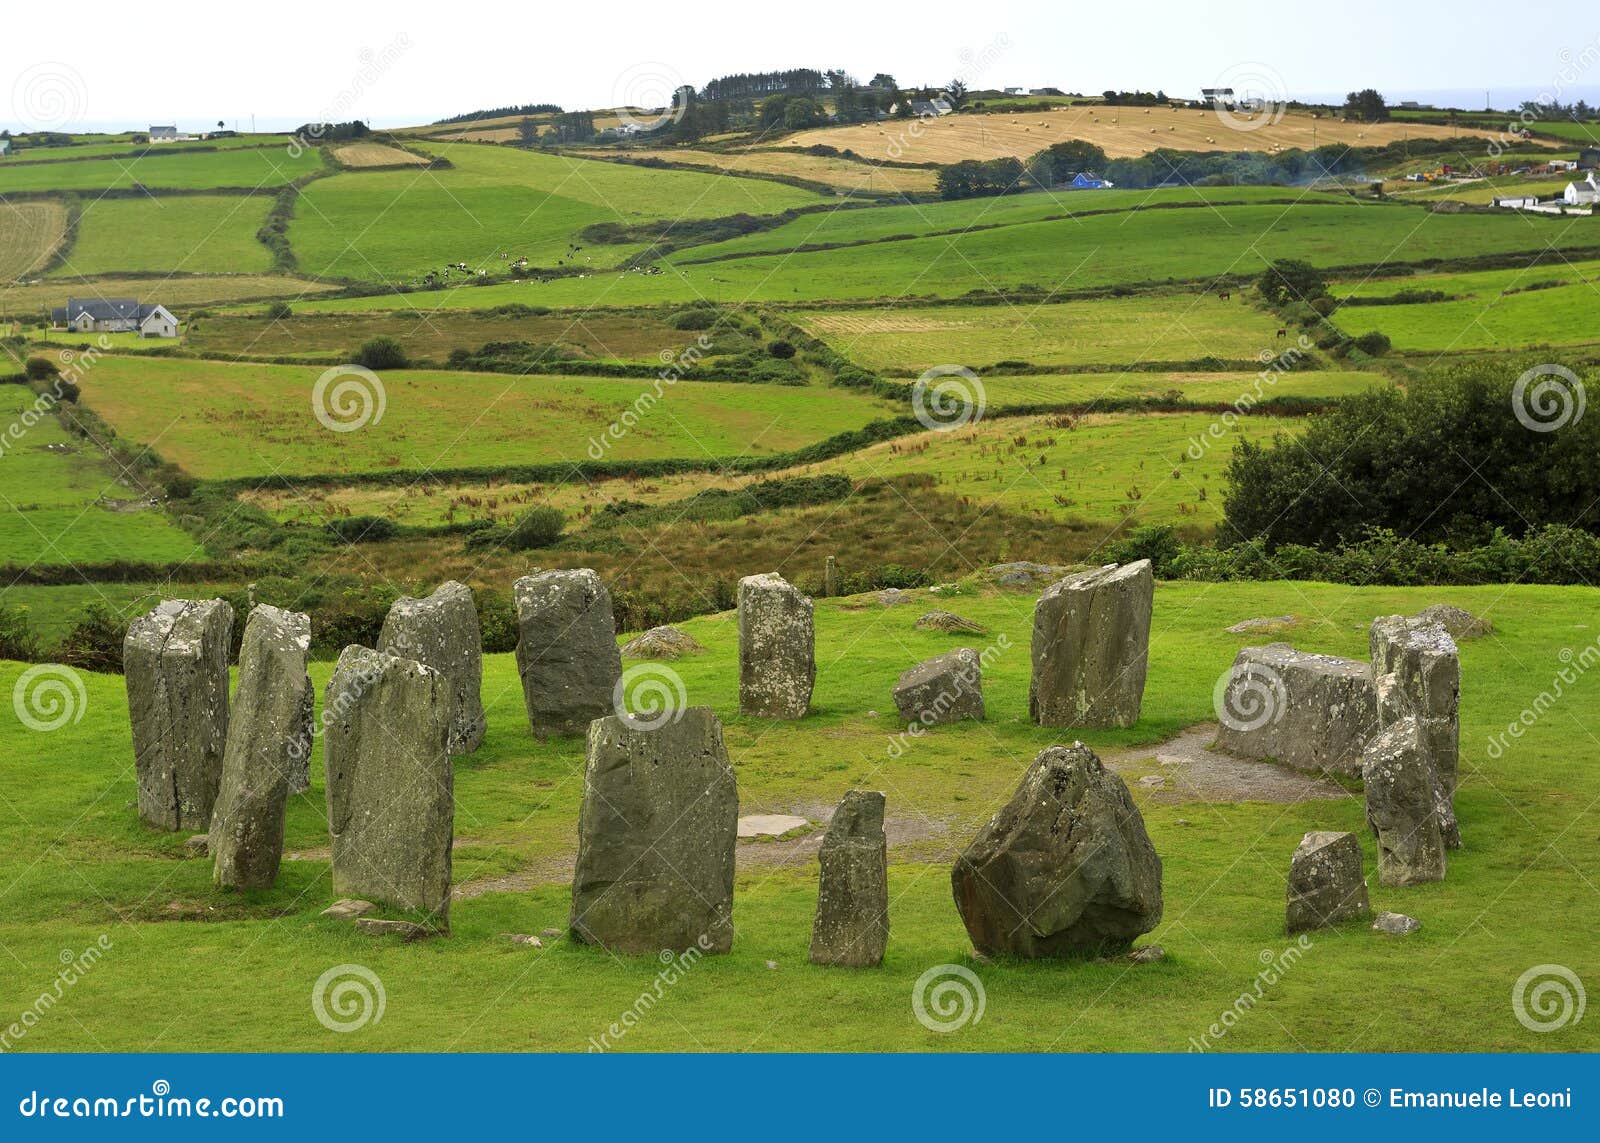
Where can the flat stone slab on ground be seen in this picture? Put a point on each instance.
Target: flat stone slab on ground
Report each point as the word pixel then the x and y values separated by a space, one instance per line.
pixel 769 825
pixel 1396 924
pixel 378 927
pixel 348 909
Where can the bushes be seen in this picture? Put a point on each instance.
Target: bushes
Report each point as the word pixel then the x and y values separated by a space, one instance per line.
pixel 41 369
pixel 361 529
pixel 279 310
pixel 1291 280
pixel 693 319
pixel 17 640
pixel 1374 344
pixel 382 353
pixel 95 641
pixel 538 529
pixel 781 349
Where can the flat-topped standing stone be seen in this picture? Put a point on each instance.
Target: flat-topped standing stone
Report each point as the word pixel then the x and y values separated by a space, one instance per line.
pixel 442 632
pixel 852 922
pixel 566 650
pixel 1326 885
pixel 946 688
pixel 175 663
pixel 656 837
pixel 1064 869
pixel 1427 667
pixel 390 798
pixel 264 730
pixel 1091 644
pixel 1402 807
pixel 1312 712
pixel 777 652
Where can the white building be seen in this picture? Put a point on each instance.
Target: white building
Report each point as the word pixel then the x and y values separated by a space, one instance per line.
pixel 114 315
pixel 1585 193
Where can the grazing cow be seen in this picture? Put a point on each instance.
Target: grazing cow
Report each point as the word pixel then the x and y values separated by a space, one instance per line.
pixel 1282 333
pixel 1223 295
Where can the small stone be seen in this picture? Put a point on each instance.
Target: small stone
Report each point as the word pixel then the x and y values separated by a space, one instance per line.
pixel 894 597
pixel 662 643
pixel 1152 781
pixel 526 940
pixel 949 621
pixel 378 927
pixel 1265 622
pixel 1396 924
pixel 772 964
pixel 1147 954
pixel 552 934
pixel 946 688
pixel 197 846
pixel 1460 623
pixel 1326 884
pixel 769 825
pixel 348 909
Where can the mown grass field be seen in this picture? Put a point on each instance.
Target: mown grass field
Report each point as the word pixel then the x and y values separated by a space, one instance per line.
pixel 1120 131
pixel 76 864
pixel 397 225
pixel 175 290
pixel 217 419
pixel 845 174
pixel 1002 391
pixel 375 155
pixel 238 167
pixel 191 234
pixel 62 503
pixel 123 147
pixel 1117 331
pixel 29 233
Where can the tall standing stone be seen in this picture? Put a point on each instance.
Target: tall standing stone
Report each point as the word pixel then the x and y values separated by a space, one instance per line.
pixel 175 663
pixel 1326 884
pixel 442 632
pixel 1064 869
pixel 1402 808
pixel 1312 712
pixel 777 648
pixel 301 746
pixel 1427 667
pixel 1091 646
pixel 390 798
pixel 832 582
pixel 656 835
pixel 852 922
pixel 567 650
pixel 264 732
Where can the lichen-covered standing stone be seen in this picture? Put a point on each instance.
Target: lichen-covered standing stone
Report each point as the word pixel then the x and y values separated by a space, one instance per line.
pixel 1312 712
pixel 300 747
pixel 1064 869
pixel 852 922
pixel 175 663
pixel 656 834
pixel 1326 885
pixel 1426 665
pixel 1091 646
pixel 264 731
pixel 946 688
pixel 567 650
pixel 777 648
pixel 391 804
pixel 1402 806
pixel 442 632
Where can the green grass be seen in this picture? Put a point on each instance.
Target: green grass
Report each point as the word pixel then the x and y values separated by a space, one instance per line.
pixel 225 420
pixel 52 609
pixel 76 864
pixel 1110 331
pixel 1493 310
pixel 49 487
pixel 1226 388
pixel 199 234
pixel 262 167
pixel 125 148
pixel 397 225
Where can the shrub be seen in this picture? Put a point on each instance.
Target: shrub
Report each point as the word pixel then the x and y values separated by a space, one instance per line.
pixel 781 349
pixel 1374 344
pixel 538 529
pixel 382 353
pixel 41 369
pixel 361 529
pixel 693 319
pixel 17 640
pixel 1157 543
pixel 279 310
pixel 95 641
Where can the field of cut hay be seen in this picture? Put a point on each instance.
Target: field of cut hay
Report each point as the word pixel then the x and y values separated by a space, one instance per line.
pixel 29 234
pixel 843 174
pixel 1123 132
pixel 376 155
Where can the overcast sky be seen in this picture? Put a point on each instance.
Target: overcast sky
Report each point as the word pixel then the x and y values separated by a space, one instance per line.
pixel 404 61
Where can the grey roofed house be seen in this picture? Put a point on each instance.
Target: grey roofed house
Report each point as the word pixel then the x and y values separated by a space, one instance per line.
pixel 115 315
pixel 158 132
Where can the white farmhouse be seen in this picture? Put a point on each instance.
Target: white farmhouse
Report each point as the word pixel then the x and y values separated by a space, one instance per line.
pixel 1585 193
pixel 114 315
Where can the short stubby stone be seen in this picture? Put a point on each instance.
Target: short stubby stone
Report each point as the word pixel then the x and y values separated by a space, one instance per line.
pixel 1326 884
pixel 1395 924
pixel 662 643
pixel 946 688
pixel 1064 869
pixel 442 632
pixel 391 804
pixel 265 730
pixel 852 922
pixel 1401 806
pixel 948 621
pixel 1091 645
pixel 1423 658
pixel 777 648
pixel 1312 712
pixel 567 650
pixel 348 909
pixel 1263 623
pixel 1458 621
pixel 656 837
pixel 175 664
